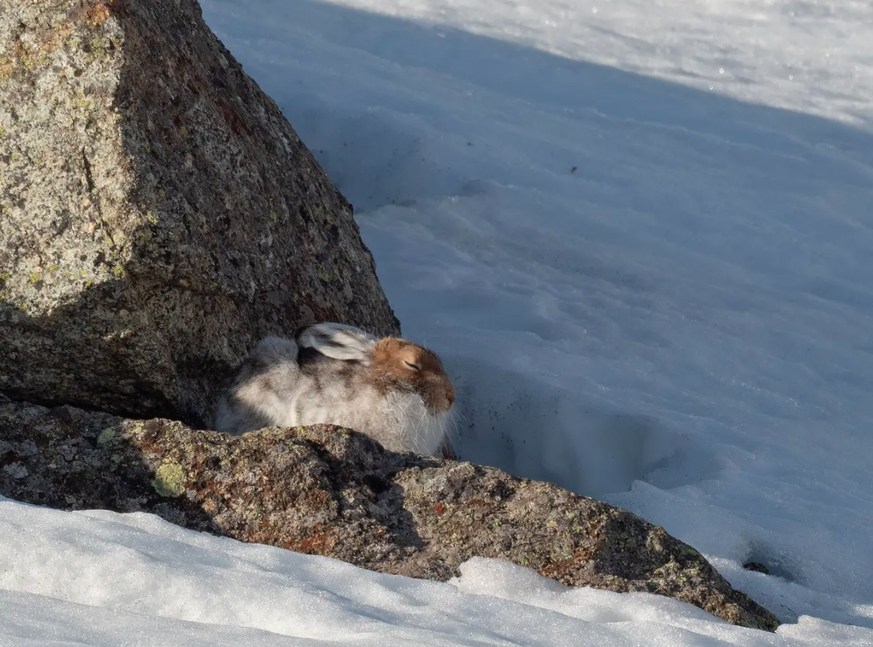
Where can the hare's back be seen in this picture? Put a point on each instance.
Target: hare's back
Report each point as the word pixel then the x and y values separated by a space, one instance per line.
pixel 336 392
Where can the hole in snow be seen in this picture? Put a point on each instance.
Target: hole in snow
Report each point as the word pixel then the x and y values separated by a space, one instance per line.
pixel 774 562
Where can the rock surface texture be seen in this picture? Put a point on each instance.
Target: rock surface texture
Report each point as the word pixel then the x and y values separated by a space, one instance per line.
pixel 158 214
pixel 329 491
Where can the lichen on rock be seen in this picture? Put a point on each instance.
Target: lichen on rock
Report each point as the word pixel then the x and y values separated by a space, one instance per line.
pixel 169 479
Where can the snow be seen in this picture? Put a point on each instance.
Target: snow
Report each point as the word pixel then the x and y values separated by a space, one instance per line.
pixel 640 239
pixel 104 579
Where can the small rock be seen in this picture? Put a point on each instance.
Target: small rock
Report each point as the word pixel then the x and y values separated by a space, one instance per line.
pixel 757 567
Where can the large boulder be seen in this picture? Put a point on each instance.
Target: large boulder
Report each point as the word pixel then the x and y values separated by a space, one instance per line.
pixel 334 492
pixel 157 212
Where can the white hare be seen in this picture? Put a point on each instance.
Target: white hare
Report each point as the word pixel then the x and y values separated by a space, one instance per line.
pixel 394 391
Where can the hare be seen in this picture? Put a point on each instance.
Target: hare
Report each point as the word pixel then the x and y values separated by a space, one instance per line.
pixel 390 389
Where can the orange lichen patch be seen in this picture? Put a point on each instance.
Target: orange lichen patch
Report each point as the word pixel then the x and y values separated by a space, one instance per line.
pixel 440 508
pixel 99 13
pixel 24 57
pixel 563 570
pixel 319 544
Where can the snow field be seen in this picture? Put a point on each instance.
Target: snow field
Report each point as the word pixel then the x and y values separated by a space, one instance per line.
pixel 640 239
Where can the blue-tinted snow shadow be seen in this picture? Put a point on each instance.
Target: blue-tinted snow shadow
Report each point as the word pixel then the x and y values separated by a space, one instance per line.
pixel 540 431
pixel 515 73
pixel 529 74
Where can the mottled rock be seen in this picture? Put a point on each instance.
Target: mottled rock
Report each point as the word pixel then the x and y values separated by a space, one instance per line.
pixel 158 214
pixel 330 491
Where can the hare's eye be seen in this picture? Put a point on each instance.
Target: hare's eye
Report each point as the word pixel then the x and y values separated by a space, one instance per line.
pixel 414 367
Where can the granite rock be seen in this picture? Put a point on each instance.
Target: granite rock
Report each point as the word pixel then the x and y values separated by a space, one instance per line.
pixel 158 214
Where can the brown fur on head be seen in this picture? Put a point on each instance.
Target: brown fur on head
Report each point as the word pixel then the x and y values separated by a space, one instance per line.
pixel 401 361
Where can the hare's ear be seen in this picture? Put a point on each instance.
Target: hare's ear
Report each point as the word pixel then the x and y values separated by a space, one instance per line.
pixel 339 341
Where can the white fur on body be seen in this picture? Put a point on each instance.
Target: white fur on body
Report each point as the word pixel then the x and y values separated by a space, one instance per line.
pixel 277 387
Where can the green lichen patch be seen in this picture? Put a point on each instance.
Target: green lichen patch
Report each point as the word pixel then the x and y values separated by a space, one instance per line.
pixel 169 480
pixel 106 437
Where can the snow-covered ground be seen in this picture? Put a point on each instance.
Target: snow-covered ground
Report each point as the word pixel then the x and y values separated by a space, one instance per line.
pixel 640 233
pixel 107 580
